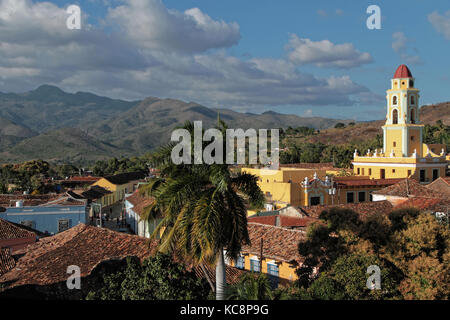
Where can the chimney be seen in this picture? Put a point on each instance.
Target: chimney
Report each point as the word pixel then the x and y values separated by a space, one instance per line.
pixel 277 221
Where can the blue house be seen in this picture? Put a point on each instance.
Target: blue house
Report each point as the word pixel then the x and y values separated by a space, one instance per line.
pixel 52 217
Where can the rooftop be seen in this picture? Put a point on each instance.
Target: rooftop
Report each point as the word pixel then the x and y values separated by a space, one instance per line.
pixel 402 72
pixel 139 202
pixel 283 221
pixel 123 178
pixel 45 262
pixel 10 230
pixel 7 262
pixel 278 243
pixel 365 209
pixel 407 188
pixel 426 204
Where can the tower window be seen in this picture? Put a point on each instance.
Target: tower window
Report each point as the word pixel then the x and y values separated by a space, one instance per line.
pixel 412 116
pixel 395 115
pixel 403 83
pixel 394 100
pixel 413 100
pixel 412 138
pixel 411 83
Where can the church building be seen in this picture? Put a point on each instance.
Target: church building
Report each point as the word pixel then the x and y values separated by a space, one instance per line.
pixel 404 155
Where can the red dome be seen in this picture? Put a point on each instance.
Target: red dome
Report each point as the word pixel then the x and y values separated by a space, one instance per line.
pixel 402 72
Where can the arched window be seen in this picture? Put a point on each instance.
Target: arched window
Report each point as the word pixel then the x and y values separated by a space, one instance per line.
pixel 412 117
pixel 413 101
pixel 395 116
pixel 394 100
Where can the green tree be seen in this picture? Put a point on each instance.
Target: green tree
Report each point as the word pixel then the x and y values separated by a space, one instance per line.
pixel 203 209
pixel 157 278
pixel 255 286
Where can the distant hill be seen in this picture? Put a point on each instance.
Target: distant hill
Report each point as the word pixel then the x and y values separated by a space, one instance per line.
pixel 150 123
pixel 67 144
pixel 367 130
pixel 51 124
pixel 48 107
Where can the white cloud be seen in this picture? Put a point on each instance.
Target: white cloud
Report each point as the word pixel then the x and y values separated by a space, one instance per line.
pixel 36 48
pixel 324 53
pixel 150 24
pixel 441 23
pixel 400 46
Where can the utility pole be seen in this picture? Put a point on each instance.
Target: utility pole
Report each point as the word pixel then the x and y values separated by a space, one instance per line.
pixel 261 256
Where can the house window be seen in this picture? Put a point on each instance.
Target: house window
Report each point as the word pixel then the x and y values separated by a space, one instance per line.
pixel 63 225
pixel 422 175
pixel 255 265
pixel 240 262
pixel 395 116
pixel 350 197
pixel 393 170
pixel 412 138
pixel 394 144
pixel 315 201
pixel 358 171
pixel 370 171
pixel 272 269
pixel 435 174
pixel 361 196
pixel 409 173
pixel 362 170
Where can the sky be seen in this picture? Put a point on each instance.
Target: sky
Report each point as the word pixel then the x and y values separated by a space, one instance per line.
pixel 310 58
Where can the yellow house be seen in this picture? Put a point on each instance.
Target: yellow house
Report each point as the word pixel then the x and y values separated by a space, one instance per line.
pixel 119 185
pixel 307 187
pixel 404 155
pixel 279 248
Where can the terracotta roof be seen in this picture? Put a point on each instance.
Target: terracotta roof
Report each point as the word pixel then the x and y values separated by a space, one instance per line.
pixel 83 178
pixel 45 262
pixel 402 72
pixel 409 187
pixel 65 201
pixel 9 200
pixel 95 192
pixel 305 165
pixel 441 185
pixel 431 204
pixel 139 202
pixel 123 178
pixel 364 209
pixel 284 221
pixel 348 182
pixel 7 262
pixel 9 230
pixel 278 243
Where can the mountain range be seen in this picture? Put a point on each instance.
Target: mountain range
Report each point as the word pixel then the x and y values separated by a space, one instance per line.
pixel 48 123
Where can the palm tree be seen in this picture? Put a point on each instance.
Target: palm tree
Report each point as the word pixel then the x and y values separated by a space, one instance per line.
pixel 255 286
pixel 203 209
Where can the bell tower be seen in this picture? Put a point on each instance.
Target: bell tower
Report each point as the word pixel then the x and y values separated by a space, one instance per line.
pixel 402 132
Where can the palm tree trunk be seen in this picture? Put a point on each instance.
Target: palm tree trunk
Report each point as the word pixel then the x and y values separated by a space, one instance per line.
pixel 221 280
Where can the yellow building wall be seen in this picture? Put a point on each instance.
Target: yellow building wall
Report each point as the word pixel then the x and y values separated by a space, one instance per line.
pixel 286 270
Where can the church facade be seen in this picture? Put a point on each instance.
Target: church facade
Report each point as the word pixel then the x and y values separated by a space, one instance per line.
pixel 404 155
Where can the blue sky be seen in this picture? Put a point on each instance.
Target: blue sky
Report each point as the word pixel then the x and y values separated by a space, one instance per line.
pixel 311 58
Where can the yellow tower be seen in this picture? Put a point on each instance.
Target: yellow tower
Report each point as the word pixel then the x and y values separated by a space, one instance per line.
pixel 402 132
pixel 404 155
